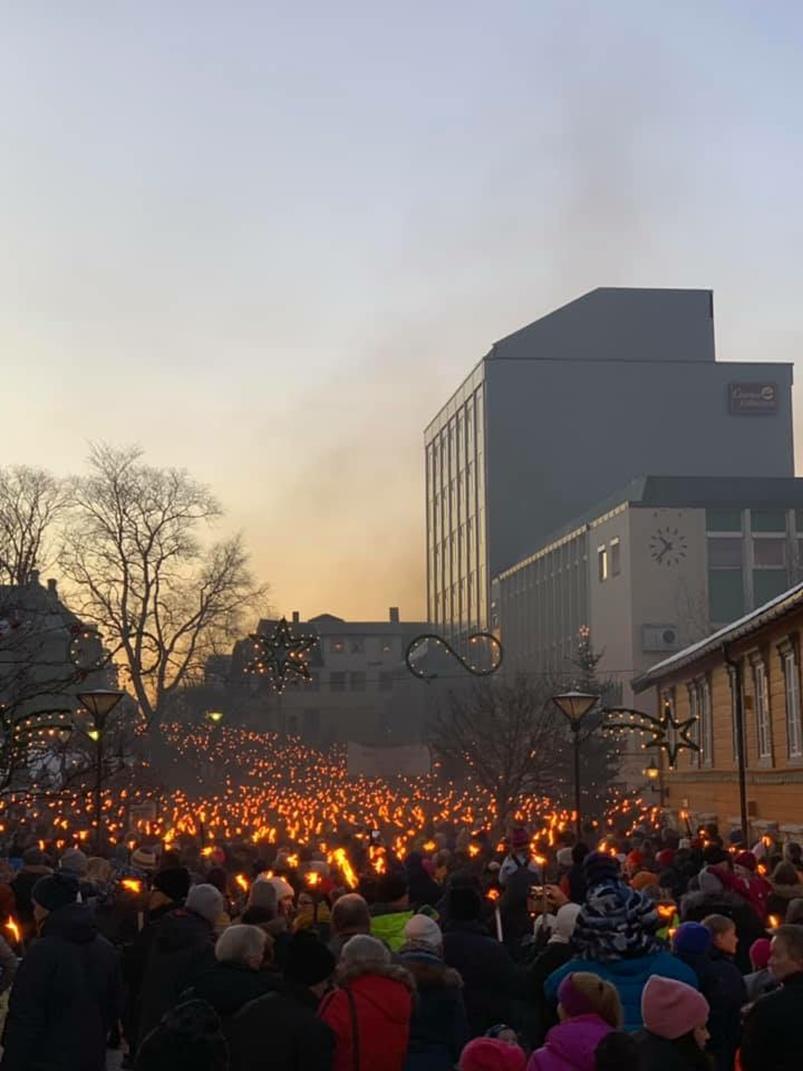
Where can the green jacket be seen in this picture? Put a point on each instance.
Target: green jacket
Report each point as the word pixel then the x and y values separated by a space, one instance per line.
pixel 390 928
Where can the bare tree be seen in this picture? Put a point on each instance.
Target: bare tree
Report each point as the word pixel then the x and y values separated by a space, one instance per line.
pixel 138 569
pixel 508 738
pixel 32 501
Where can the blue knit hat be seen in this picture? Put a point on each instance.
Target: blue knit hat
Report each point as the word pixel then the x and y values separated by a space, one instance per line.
pixel 692 938
pixel 599 867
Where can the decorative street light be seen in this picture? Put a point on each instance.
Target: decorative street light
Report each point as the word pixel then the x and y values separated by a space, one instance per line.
pixel 574 706
pixel 99 703
pixel 215 716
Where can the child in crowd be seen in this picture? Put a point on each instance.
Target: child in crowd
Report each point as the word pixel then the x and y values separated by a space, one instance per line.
pixel 492 1054
pixel 675 1030
pixel 589 1009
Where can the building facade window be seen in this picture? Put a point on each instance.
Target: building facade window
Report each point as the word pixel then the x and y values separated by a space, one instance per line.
pixel 616 557
pixel 337 681
pixel 791 676
pixel 385 682
pixel 694 732
pixel 337 646
pixel 602 563
pixel 706 722
pixel 761 701
pixel 356 645
pixel 734 674
pixel 357 681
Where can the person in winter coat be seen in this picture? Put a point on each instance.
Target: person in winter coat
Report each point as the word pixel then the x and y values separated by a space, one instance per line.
pixel 370 1011
pixel 559 950
pixel 675 1034
pixel 187 1039
pixel 761 980
pixel 772 1029
pixel 67 994
pixel 439 1027
pixel 519 858
pixel 422 887
pixel 573 882
pixel 181 950
pixel 489 976
pixel 786 886
pixel 238 976
pixel 170 888
pixel 588 1009
pixel 33 868
pixel 615 939
pixel 392 912
pixel 281 1029
pixel 709 949
pixel 713 899
pixel 618 1051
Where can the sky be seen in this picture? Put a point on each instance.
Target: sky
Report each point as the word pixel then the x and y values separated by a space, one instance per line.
pixel 266 241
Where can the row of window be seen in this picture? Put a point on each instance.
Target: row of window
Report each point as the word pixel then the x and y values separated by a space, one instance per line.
pixel 609 560
pixel 355 645
pixel 757 701
pixel 352 682
pixel 754 520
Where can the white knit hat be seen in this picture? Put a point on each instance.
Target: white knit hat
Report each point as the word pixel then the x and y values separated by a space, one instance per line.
pixel 283 889
pixel 424 931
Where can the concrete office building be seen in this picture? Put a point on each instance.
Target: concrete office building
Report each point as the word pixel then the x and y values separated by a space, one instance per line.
pixel 559 414
pixel 652 569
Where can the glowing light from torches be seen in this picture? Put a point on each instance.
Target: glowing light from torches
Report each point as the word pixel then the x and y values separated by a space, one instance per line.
pixel 774 922
pixel 666 911
pixel 243 882
pixel 493 894
pixel 12 927
pixel 473 850
pixel 312 878
pixel 132 885
pixel 341 861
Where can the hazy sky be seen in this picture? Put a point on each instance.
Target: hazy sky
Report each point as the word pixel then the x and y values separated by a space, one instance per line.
pixel 267 240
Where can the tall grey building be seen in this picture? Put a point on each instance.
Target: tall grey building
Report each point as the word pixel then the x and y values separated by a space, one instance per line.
pixel 561 413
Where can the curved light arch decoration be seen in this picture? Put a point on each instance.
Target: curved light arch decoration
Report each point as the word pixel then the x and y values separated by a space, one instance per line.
pixel 470 667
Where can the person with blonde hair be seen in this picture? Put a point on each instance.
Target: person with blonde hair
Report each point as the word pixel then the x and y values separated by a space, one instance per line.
pixel 589 1009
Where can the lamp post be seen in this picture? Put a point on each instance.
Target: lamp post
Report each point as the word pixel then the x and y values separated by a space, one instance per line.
pixel 574 706
pixel 653 775
pixel 99 703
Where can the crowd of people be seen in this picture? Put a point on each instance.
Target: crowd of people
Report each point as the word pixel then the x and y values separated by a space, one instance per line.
pixel 652 951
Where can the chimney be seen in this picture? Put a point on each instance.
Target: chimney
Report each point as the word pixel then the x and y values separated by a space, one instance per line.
pixel 394 615
pixel 33 576
pixel 52 587
pixel 296 617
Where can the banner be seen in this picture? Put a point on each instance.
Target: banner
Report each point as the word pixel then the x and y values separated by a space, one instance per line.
pixel 407 760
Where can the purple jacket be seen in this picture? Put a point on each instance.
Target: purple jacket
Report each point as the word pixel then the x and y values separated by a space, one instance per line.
pixel 571 1045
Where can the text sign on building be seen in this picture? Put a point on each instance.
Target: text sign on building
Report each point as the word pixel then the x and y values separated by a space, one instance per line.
pixel 752 399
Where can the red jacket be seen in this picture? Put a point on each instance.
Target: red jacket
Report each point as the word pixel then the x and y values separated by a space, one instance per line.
pixel 383 1005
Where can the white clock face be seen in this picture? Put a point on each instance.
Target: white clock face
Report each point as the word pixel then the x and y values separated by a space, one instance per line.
pixel 668 546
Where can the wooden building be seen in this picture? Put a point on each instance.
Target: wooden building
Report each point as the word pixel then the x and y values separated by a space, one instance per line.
pixel 742 684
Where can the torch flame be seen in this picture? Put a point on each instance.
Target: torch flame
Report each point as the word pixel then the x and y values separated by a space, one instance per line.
pixel 132 884
pixel 312 878
pixel 13 929
pixel 242 881
pixel 493 894
pixel 341 861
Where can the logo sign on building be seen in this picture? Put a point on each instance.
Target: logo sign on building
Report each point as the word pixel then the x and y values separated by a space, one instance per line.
pixel 752 399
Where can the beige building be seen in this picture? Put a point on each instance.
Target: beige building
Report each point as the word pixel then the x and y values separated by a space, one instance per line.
pixel 741 684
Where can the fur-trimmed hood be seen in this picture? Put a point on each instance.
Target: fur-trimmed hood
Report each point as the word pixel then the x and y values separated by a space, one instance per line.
pixel 348 973
pixel 430 972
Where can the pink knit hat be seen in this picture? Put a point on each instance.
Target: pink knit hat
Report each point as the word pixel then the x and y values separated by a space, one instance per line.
pixel 671 1009
pixel 490 1054
pixel 760 953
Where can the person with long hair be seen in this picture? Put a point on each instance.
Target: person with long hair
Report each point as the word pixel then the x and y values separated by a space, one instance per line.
pixel 589 1009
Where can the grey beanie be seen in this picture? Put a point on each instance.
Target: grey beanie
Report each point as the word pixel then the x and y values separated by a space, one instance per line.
pixel 364 949
pixel 74 862
pixel 263 894
pixel 206 901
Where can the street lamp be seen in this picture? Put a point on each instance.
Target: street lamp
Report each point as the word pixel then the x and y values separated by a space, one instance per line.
pixel 574 706
pixel 215 716
pixel 99 703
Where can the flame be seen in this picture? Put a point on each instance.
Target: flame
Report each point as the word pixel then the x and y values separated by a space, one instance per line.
pixel 341 861
pixel 132 884
pixel 13 929
pixel 473 850
pixel 429 846
pixel 774 921
pixel 493 894
pixel 243 882
pixel 666 911
pixel 312 878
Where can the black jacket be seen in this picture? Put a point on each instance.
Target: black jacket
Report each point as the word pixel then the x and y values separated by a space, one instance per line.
pixel 439 1027
pixel 773 1030
pixel 181 950
pixel 230 986
pixel 22 887
pixel 544 1012
pixel 722 985
pixel 66 996
pixel 281 1031
pixel 489 976
pixel 659 1054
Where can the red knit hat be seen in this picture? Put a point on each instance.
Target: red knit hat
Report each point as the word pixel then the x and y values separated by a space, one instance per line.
pixel 665 858
pixel 490 1054
pixel 760 953
pixel 671 1009
pixel 745 859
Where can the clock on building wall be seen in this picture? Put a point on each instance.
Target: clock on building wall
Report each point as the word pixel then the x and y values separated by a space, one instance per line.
pixel 668 546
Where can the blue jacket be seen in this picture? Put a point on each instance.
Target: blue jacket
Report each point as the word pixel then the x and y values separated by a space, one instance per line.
pixel 629 976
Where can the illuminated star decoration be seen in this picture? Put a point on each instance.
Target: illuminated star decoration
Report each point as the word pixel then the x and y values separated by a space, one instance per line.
pixel 470 667
pixel 281 656
pixel 665 732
